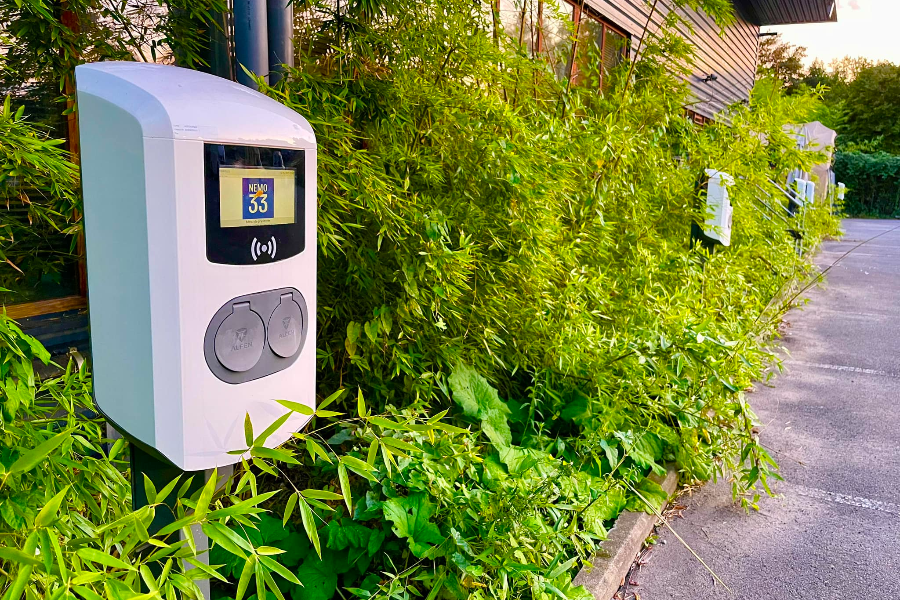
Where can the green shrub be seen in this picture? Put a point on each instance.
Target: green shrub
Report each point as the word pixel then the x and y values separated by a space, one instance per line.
pixel 873 183
pixel 39 191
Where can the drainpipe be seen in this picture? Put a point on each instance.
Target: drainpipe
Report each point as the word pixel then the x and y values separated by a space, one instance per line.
pixel 281 38
pixel 251 40
pixel 220 48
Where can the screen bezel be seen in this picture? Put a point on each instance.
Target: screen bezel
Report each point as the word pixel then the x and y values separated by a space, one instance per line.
pixel 232 245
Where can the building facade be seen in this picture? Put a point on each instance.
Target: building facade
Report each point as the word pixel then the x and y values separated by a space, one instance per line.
pixel 725 61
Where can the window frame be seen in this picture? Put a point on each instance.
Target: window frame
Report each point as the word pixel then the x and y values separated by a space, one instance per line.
pixel 581 11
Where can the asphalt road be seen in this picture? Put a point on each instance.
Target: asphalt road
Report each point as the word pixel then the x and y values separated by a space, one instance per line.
pixel 833 422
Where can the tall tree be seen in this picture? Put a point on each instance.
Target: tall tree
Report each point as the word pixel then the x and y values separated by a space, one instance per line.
pixel 873 104
pixel 782 60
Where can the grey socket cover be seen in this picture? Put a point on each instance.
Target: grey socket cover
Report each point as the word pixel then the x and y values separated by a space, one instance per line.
pixel 286 327
pixel 234 356
pixel 240 339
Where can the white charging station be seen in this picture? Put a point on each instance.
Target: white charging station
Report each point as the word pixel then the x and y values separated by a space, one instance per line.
pixel 811 192
pixel 841 191
pixel 200 226
pixel 717 226
pixel 800 184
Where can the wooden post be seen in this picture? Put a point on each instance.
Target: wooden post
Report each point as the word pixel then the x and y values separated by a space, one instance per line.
pixel 69 19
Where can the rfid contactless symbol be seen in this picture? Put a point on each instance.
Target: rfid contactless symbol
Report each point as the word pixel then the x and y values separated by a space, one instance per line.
pixel 257 249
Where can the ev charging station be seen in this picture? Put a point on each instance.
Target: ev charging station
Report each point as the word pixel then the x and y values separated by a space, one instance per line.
pixel 200 226
pixel 802 194
pixel 811 192
pixel 716 228
pixel 841 191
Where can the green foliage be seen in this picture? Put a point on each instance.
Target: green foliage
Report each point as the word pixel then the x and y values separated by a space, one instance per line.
pixel 479 400
pixel 41 42
pixel 872 102
pixel 873 183
pixel 410 516
pixel 781 60
pixel 36 175
pixel 505 270
pixel 515 249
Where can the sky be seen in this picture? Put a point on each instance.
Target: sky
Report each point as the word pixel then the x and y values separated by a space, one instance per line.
pixel 866 28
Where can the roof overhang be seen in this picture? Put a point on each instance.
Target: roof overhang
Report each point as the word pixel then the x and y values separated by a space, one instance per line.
pixel 789 12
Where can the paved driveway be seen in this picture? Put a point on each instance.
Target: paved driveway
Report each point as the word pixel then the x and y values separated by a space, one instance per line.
pixel 833 423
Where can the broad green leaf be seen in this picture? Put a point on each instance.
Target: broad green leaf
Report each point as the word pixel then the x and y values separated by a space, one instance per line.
pixel 373 452
pixel 324 414
pixel 271 585
pixel 285 456
pixel 87 593
pixel 149 489
pixel 388 424
pixel 356 464
pixel 176 525
pixel 319 579
pixel 163 494
pixel 479 400
pixel 647 496
pixel 411 518
pixel 606 507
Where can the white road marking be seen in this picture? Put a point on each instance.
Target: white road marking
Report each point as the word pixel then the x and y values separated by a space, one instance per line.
pixel 845 368
pixel 835 498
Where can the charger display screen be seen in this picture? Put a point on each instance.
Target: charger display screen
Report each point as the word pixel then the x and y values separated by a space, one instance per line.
pixel 255 203
pixel 251 197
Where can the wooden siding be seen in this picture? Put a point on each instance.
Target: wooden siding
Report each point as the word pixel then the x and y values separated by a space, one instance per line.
pixel 732 57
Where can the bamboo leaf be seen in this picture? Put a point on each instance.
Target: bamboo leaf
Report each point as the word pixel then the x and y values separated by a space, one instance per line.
pixel 309 524
pixel 102 558
pixel 345 486
pixel 49 512
pixel 248 430
pixel 34 457
pixel 297 407
pixel 289 508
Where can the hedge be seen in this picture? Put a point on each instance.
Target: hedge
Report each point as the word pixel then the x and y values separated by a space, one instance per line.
pixel 873 183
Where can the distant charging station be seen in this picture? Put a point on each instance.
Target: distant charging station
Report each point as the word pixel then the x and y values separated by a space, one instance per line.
pixel 716 229
pixel 200 226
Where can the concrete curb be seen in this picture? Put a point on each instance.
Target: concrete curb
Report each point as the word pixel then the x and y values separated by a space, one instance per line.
pixel 612 562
